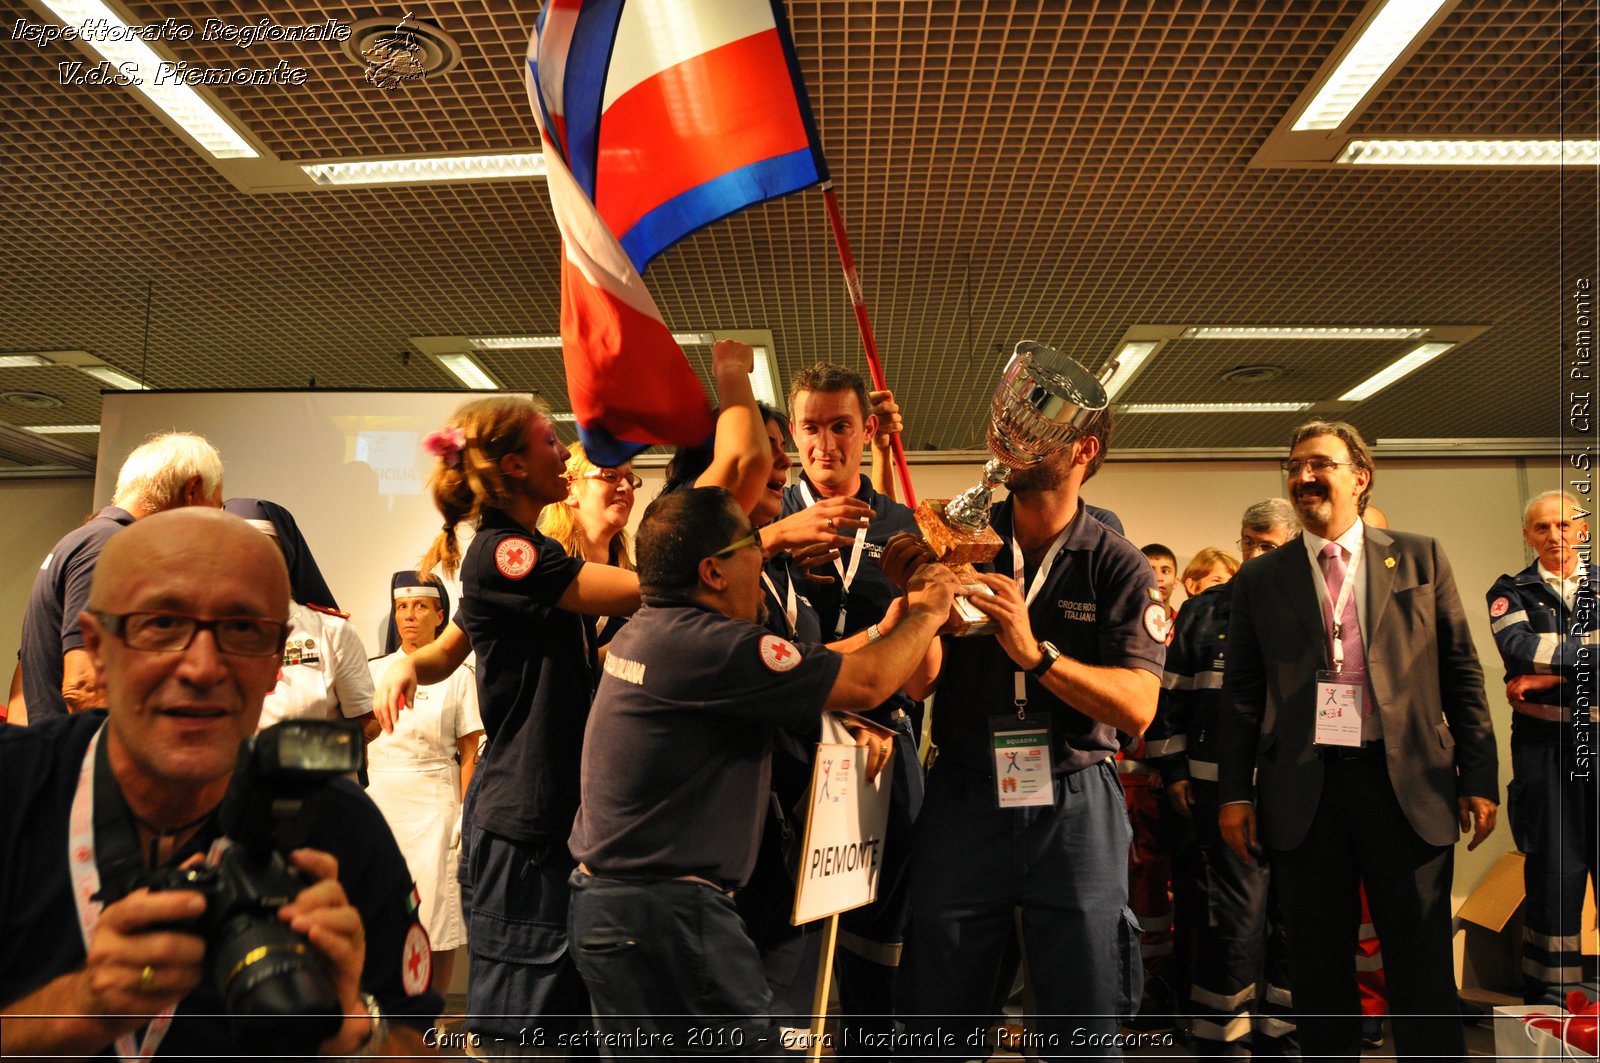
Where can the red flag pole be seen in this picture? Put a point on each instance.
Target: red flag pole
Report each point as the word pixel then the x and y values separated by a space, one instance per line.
pixel 853 283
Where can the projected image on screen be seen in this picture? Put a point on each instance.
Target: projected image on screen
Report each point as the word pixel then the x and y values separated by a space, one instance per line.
pixel 396 457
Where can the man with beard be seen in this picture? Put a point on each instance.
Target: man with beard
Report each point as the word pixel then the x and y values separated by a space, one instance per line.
pixel 1352 694
pixel 1024 809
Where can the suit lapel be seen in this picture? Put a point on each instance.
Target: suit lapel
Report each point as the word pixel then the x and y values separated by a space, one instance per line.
pixel 1302 592
pixel 1376 555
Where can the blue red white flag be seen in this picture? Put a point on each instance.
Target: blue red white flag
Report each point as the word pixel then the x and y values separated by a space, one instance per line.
pixel 672 114
pixel 658 117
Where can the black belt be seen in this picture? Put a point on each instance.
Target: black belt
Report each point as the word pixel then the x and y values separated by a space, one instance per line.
pixel 1361 752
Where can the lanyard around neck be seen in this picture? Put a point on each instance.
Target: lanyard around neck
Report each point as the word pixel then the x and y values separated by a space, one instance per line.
pixel 847 576
pixel 1345 590
pixel 791 611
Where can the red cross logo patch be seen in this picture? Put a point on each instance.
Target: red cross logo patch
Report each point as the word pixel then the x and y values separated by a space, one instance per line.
pixel 514 557
pixel 779 655
pixel 1156 623
pixel 1498 609
pixel 416 964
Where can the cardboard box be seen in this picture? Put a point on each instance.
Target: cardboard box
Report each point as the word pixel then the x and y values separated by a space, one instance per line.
pixel 1489 955
pixel 1515 1039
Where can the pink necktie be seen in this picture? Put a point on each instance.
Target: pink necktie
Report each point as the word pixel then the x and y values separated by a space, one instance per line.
pixel 1334 571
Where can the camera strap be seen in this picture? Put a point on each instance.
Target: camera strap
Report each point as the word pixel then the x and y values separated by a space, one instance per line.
pixel 85 872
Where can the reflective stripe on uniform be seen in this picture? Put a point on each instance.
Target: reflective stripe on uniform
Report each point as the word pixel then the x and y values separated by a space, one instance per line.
pixel 1167 746
pixel 1217 1002
pixel 1548 644
pixel 1208 681
pixel 1235 1029
pixel 1133 767
pixel 1204 770
pixel 1518 617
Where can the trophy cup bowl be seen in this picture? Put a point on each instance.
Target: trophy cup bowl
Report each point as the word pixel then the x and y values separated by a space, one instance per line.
pixel 1044 401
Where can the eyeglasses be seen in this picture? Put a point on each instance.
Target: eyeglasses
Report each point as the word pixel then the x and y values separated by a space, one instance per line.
pixel 1246 545
pixel 753 539
pixel 240 636
pixel 614 476
pixel 1294 466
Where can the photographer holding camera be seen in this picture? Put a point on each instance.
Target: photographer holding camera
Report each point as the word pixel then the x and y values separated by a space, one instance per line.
pixel 301 937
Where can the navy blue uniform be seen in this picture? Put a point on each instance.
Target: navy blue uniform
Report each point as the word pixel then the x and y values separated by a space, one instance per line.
pixel 40 939
pixel 870 937
pixel 60 592
pixel 676 778
pixel 1551 798
pixel 1066 865
pixel 533 695
pixel 1239 927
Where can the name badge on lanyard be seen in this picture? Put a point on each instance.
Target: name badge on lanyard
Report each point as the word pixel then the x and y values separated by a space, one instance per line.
pixel 1341 693
pixel 847 575
pixel 1024 775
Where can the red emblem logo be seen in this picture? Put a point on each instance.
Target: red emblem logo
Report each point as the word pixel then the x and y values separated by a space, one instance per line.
pixel 1499 608
pixel 779 655
pixel 515 557
pixel 416 968
pixel 1156 622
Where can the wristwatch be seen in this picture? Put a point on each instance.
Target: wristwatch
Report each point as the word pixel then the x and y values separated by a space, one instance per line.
pixel 1048 657
pixel 380 1027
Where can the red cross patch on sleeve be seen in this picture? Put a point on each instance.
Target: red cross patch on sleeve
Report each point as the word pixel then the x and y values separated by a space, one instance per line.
pixel 515 557
pixel 1499 608
pixel 416 963
pixel 779 655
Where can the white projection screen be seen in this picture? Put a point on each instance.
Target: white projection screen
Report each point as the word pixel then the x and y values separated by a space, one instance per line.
pixel 348 464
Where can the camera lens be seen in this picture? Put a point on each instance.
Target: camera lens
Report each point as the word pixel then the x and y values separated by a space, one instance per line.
pixel 274 986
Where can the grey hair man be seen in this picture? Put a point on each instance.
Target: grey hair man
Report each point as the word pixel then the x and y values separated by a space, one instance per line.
pixel 164 472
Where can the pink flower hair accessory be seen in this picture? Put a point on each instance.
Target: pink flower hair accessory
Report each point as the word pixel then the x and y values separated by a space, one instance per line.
pixel 446 445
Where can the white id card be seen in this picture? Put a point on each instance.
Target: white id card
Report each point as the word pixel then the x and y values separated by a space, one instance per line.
pixel 1022 775
pixel 1339 698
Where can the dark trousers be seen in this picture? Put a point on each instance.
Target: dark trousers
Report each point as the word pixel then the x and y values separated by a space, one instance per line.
pixel 670 969
pixel 520 977
pixel 1360 833
pixel 867 961
pixel 1553 821
pixel 1240 998
pixel 1066 867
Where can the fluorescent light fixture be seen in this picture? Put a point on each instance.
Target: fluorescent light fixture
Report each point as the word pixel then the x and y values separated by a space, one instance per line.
pixel 118 44
pixel 523 343
pixel 63 429
pixel 468 371
pixel 564 418
pixel 1129 361
pixel 1373 53
pixel 1408 364
pixel 1296 332
pixel 1214 407
pixel 397 171
pixel 114 377
pixel 22 361
pixel 1470 153
pixel 764 378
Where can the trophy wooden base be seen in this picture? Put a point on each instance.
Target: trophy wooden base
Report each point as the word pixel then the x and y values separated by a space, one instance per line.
pixel 954 546
pixel 960 549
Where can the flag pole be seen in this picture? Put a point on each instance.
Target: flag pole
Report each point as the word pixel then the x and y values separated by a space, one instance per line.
pixel 853 282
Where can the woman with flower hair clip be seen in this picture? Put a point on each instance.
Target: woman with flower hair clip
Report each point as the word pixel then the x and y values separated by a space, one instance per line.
pixel 499 465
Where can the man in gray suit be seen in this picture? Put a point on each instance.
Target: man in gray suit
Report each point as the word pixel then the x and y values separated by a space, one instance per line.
pixel 1352 692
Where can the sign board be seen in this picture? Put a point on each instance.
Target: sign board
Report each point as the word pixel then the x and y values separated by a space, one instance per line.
pixel 843 852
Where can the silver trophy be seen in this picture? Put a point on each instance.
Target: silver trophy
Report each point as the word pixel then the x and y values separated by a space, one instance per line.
pixel 1044 401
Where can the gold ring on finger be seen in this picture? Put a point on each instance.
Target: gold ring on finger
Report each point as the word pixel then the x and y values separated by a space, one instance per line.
pixel 147 979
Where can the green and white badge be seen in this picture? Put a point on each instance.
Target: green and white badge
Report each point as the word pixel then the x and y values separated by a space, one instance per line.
pixel 1022 769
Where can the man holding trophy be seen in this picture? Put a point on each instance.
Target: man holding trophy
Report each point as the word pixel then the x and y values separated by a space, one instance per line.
pixel 1023 806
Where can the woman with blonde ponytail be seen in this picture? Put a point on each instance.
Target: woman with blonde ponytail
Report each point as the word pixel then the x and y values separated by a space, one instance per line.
pixel 499 464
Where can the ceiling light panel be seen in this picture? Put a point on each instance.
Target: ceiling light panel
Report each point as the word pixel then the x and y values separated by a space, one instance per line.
pixel 404 171
pixel 1407 365
pixel 22 361
pixel 112 377
pixel 63 429
pixel 465 369
pixel 158 80
pixel 1214 407
pixel 1130 360
pixel 1388 35
pixel 1471 153
pixel 1295 332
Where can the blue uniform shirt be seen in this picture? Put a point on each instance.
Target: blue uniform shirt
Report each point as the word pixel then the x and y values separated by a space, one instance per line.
pixel 60 592
pixel 1191 689
pixel 1095 606
pixel 1538 635
pixel 533 680
pixel 677 759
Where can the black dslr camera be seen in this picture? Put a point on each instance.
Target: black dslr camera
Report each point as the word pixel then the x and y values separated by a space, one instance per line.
pixel 269 977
